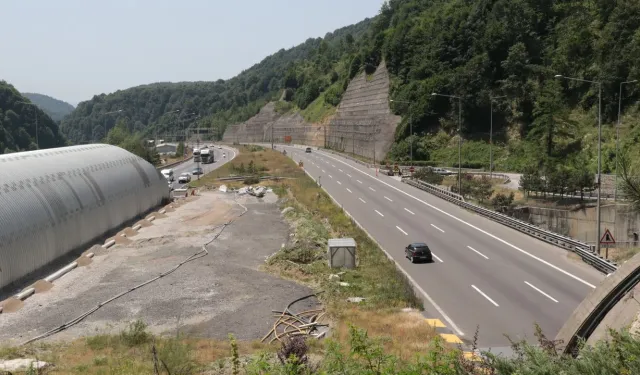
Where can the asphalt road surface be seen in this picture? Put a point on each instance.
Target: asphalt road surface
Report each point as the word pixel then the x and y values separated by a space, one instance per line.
pixel 484 274
pixel 220 156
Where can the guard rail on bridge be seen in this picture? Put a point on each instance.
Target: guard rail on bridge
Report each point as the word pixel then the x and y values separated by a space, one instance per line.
pixel 174 163
pixel 580 248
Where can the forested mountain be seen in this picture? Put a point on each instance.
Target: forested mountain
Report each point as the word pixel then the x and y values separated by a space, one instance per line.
pixel 56 109
pixel 18 124
pixel 474 49
pixel 145 108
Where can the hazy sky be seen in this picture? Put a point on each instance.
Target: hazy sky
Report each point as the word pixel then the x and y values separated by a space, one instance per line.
pixel 74 49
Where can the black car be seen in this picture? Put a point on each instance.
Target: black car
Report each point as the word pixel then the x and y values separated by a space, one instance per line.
pixel 197 171
pixel 308 150
pixel 418 251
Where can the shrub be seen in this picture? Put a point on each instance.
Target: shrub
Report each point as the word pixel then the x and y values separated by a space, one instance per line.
pixel 429 176
pixel 251 180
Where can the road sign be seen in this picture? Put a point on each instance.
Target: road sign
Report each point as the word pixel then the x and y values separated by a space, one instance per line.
pixel 607 238
pixel 411 169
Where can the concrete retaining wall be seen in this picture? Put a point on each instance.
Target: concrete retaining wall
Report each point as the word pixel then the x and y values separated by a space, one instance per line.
pixel 363 123
pixel 581 223
pixel 363 120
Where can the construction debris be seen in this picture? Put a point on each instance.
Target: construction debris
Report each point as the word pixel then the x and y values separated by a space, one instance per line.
pixel 305 323
pixel 355 299
pixel 223 188
pixel 258 191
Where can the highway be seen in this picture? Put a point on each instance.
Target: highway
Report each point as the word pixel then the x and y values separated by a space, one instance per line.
pixel 190 165
pixel 483 274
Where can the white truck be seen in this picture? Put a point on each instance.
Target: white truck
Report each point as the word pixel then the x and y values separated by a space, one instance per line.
pixel 196 155
pixel 206 155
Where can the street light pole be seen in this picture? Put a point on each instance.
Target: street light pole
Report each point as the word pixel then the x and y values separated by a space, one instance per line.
pixel 599 178
pixel 491 99
pixel 615 189
pixel 35 110
pixel 410 128
pixel 104 127
pixel 459 137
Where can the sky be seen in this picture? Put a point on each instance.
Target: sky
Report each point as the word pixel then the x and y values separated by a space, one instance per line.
pixel 75 49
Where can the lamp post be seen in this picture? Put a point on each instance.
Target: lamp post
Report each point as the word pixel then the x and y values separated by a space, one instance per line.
pixel 459 136
pixel 35 110
pixel 491 99
pixel 615 189
pixel 410 128
pixel 599 182
pixel 104 126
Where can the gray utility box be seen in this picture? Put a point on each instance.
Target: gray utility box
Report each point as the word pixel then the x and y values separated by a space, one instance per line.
pixel 342 253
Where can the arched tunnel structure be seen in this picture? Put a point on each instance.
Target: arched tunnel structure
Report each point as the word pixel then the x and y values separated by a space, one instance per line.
pixel 611 305
pixel 57 200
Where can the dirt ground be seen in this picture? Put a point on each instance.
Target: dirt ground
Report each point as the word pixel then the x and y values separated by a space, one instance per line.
pixel 220 293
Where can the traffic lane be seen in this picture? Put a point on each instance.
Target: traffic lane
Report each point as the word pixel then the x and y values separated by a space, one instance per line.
pixel 461 274
pixel 189 165
pixel 481 247
pixel 514 240
pixel 454 299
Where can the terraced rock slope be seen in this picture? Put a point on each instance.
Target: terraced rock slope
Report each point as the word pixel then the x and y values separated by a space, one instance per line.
pixel 363 123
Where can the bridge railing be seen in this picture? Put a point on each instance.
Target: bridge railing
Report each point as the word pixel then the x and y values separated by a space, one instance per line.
pixel 580 248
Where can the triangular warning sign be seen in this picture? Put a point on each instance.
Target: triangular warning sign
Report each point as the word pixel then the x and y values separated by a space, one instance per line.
pixel 607 238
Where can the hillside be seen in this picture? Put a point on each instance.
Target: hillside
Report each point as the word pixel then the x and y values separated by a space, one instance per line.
pixel 18 124
pixel 472 49
pixel 221 102
pixel 56 109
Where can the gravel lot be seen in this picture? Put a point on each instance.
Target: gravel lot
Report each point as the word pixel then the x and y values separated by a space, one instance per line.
pixel 220 293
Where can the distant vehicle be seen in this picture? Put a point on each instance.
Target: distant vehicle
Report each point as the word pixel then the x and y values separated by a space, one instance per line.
pixel 441 171
pixel 206 156
pixel 196 155
pixel 219 147
pixel 418 251
pixel 197 171
pixel 184 178
pixel 168 174
pixel 308 150
pixel 224 154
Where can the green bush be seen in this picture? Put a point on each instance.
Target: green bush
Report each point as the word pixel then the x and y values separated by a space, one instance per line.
pixel 251 180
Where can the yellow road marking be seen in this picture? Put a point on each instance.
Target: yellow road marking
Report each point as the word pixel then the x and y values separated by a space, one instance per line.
pixel 436 323
pixel 452 339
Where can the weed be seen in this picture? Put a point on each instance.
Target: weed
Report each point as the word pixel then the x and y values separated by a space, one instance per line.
pixel 235 355
pixel 135 334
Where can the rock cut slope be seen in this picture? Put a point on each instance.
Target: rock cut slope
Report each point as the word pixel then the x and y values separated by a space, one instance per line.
pixel 363 123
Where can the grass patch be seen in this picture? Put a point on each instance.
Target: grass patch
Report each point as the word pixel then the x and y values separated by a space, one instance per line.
pixel 131 352
pixel 250 161
pixel 621 254
pixel 318 111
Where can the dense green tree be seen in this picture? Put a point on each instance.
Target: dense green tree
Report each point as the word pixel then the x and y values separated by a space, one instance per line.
pixel 18 124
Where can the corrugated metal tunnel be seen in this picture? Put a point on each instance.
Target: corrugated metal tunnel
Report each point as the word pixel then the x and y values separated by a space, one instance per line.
pixel 57 200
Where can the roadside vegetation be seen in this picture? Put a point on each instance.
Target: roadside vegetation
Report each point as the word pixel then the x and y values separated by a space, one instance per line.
pixel 374 336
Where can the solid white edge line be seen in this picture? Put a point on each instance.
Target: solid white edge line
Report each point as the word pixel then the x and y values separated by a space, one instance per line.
pixel 541 292
pixel 387 198
pixel 474 227
pixel 437 228
pixel 437 257
pixel 484 295
pixel 379 213
pixel 406 209
pixel 479 253
pixel 433 303
pixel 405 233
pixel 362 200
pixel 349 190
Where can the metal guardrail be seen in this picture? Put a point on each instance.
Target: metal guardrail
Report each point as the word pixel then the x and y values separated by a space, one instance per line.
pixel 580 248
pixel 174 163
